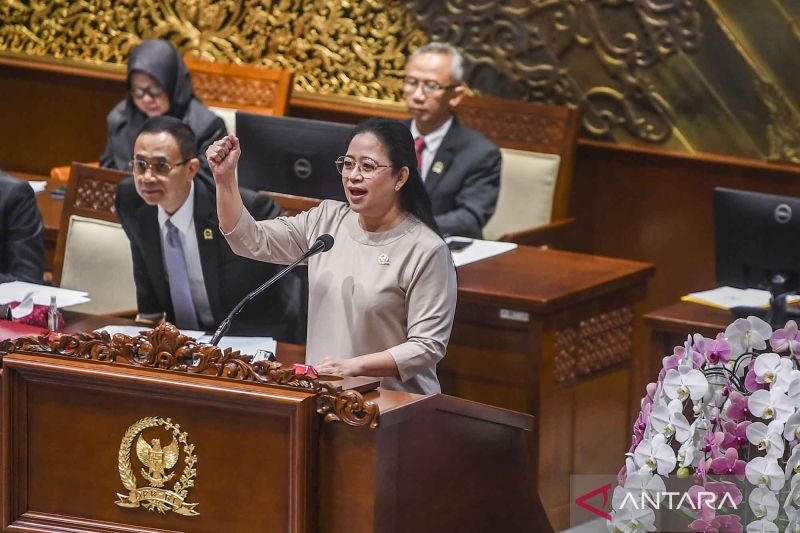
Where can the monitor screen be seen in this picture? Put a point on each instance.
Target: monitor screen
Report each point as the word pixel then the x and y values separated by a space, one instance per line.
pixel 291 155
pixel 755 237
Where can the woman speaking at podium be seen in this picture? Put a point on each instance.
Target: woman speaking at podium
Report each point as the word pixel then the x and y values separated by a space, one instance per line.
pixel 382 300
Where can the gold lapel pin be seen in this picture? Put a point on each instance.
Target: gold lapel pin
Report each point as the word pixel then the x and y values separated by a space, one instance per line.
pixel 208 234
pixel 437 167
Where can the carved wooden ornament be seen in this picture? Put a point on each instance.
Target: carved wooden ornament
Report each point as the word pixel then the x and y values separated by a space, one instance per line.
pixel 165 347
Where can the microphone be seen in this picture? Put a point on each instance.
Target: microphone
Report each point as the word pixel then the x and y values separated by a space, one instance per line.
pixel 322 244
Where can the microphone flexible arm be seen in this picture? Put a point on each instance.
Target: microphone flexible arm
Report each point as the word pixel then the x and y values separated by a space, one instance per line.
pixel 322 244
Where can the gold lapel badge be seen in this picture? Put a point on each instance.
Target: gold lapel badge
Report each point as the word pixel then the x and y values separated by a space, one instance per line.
pixel 438 167
pixel 383 259
pixel 208 234
pixel 157 460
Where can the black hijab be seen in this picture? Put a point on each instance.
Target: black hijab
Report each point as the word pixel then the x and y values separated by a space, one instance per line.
pixel 161 61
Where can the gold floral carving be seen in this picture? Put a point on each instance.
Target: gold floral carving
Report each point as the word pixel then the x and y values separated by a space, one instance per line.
pixel 783 127
pixel 587 53
pixel 342 48
pixel 165 347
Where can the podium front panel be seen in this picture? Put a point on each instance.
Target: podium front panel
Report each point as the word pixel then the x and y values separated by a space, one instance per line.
pixel 90 446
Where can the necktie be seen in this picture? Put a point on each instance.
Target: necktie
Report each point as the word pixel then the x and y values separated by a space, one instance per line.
pixel 419 144
pixel 178 276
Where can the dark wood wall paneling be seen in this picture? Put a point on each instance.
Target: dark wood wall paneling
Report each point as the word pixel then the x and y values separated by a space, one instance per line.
pixel 52 118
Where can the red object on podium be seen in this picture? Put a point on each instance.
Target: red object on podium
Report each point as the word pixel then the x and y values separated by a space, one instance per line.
pixel 13 330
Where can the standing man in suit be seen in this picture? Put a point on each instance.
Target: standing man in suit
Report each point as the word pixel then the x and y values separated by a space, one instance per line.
pixel 21 232
pixel 460 167
pixel 182 265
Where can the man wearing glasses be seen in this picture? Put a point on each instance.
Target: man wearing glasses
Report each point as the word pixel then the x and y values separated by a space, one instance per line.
pixel 460 167
pixel 183 268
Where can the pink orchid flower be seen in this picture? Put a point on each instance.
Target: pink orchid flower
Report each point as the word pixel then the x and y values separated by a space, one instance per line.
pixel 786 339
pixel 714 350
pixel 729 464
pixel 737 409
pixel 736 435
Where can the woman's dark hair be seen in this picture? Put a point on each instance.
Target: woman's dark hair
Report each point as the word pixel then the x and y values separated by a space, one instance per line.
pixel 399 145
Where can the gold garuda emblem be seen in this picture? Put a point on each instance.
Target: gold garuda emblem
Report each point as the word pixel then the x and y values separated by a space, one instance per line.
pixel 157 460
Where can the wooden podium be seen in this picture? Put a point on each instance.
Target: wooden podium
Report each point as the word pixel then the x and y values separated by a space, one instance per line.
pixel 156 433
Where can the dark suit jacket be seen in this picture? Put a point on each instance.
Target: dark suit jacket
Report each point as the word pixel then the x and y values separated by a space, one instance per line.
pixel 21 232
pixel 278 312
pixel 464 194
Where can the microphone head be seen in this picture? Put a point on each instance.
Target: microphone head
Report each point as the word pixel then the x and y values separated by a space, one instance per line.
pixel 326 240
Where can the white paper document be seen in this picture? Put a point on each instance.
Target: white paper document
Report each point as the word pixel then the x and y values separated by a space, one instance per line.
pixel 245 345
pixel 478 250
pixel 727 297
pixel 15 291
pixel 38 186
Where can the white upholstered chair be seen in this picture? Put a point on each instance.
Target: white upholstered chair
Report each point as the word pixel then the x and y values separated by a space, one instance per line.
pixel 93 253
pixel 537 143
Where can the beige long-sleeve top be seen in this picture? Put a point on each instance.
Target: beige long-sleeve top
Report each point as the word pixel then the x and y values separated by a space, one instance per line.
pixel 373 291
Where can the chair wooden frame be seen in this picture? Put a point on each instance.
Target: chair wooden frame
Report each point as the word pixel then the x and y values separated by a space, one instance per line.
pixel 532 127
pixel 292 204
pixel 248 88
pixel 91 192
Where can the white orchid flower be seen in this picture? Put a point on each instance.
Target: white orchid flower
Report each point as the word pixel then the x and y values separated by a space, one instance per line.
pixel 767 438
pixel 762 526
pixel 769 366
pixel 637 484
pixel 669 420
pixel 686 382
pixel 764 472
pixel 771 405
pixel 791 430
pixel 655 454
pixel 793 497
pixel 746 334
pixel 789 380
pixel 764 503
pixel 687 453
pixel 793 464
pixel 792 387
pixel 632 520
pixel 794 519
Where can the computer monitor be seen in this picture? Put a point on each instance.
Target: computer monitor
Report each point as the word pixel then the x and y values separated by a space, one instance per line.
pixel 757 240
pixel 291 155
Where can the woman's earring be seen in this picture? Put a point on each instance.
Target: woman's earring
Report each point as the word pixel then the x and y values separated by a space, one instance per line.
pixel 396 187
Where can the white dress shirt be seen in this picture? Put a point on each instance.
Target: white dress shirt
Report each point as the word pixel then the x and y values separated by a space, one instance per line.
pixel 432 142
pixel 183 219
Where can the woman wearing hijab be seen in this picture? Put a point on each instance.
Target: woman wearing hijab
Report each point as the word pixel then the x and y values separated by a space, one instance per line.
pixel 158 83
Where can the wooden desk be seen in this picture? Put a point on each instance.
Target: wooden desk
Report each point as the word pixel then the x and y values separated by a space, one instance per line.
pixel 553 334
pixel 670 325
pixel 268 457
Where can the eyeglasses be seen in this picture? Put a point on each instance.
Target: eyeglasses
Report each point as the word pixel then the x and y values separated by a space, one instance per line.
pixel 152 91
pixel 160 168
pixel 347 166
pixel 429 87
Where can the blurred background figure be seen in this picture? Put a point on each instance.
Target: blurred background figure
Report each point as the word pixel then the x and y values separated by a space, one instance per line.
pixel 158 84
pixel 21 232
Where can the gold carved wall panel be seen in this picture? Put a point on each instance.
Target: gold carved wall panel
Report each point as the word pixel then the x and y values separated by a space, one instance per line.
pixel 716 76
pixel 342 48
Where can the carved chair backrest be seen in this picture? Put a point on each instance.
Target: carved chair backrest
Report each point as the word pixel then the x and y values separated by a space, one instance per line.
pixel 247 88
pixel 93 253
pixel 530 127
